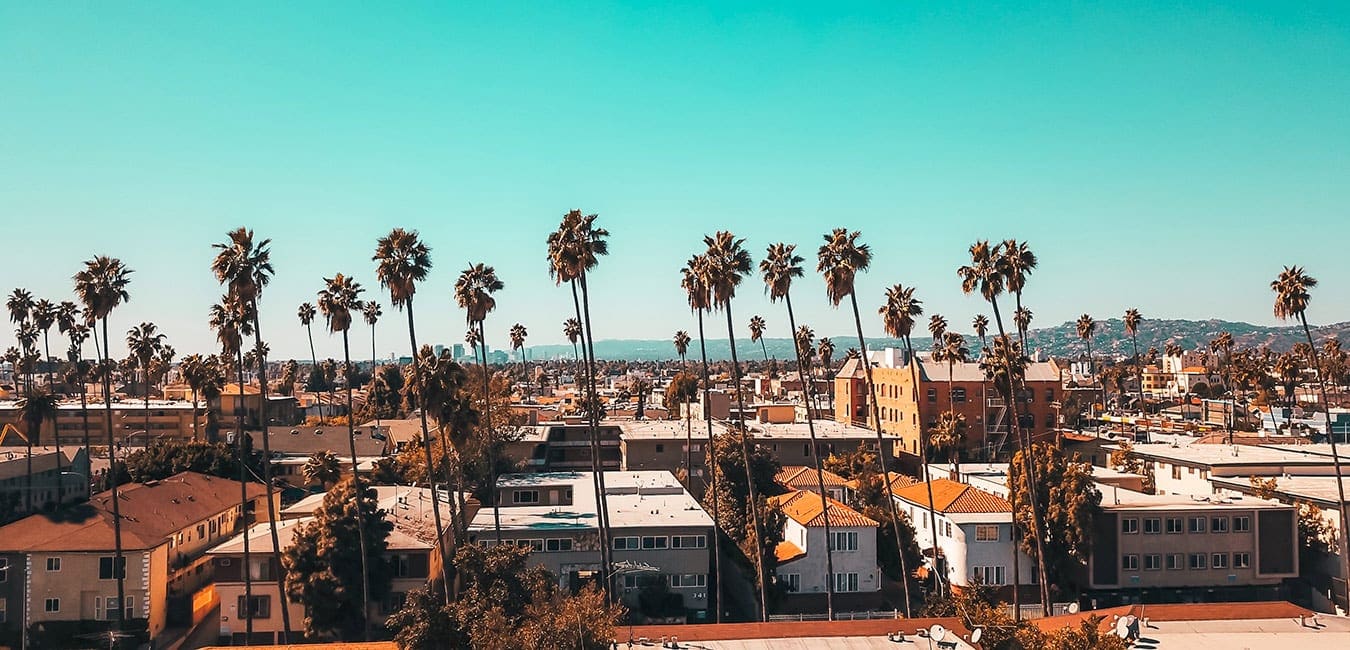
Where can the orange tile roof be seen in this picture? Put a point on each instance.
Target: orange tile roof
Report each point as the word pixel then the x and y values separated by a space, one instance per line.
pixel 233 389
pixel 804 508
pixel 787 552
pixel 953 497
pixel 801 477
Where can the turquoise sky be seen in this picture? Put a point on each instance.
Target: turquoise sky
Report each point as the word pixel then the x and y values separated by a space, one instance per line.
pixel 1165 156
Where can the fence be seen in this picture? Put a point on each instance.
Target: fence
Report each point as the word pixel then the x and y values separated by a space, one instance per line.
pixel 1034 610
pixel 839 616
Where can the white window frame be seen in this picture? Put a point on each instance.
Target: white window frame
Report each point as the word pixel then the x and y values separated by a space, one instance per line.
pixel 54 564
pixel 516 497
pixel 845 583
pixel 844 540
pixel 987 533
pixel 688 541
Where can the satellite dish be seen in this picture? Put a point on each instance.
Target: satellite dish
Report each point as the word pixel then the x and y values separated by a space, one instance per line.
pixel 977 635
pixel 1073 608
pixel 1122 628
pixel 937 632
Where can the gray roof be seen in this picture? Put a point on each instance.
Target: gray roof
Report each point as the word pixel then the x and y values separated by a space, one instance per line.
pixel 304 441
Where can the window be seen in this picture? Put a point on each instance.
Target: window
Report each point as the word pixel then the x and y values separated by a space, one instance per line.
pixel 1152 562
pixel 986 533
pixel 260 569
pixel 1176 472
pixel 1242 524
pixel 794 581
pixel 258 607
pixel 688 580
pixel 1049 420
pixel 989 575
pixel 1218 525
pixel 1242 560
pixel 105 568
pixel 655 543
pixel 844 541
pixel 558 545
pixel 660 448
pixel 399 564
pixel 1174 526
pixel 1129 562
pixel 1129 526
pixel 1152 526
pixel 201 531
pixel 1197 524
pixel 932 396
pixel 626 544
pixel 525 496
pixel 845 582
pixel 1175 562
pixel 52 605
pixel 1198 561
pixel 1218 561
pixel 1049 394
pixel 689 541
pixel 958 395
pixel 53 564
pixel 536 545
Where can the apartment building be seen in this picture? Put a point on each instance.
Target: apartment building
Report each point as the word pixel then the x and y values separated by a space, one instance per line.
pixel 801 555
pixel 166 420
pixel 971 530
pixel 1186 469
pixel 906 409
pixel 59 478
pixel 62 564
pixel 660 533
pixel 565 446
pixel 1172 548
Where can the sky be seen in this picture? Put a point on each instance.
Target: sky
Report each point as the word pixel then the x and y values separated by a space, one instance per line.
pixel 1164 156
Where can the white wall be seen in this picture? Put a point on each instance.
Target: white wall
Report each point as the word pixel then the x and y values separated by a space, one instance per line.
pixel 812 568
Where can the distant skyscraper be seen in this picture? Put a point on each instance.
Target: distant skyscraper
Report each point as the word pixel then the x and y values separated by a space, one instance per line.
pixel 438 349
pixel 458 350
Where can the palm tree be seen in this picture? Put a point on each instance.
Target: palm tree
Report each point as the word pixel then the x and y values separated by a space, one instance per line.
pixel 1087 328
pixel 402 260
pixel 144 342
pixel 898 317
pixel 517 335
pixel 372 313
pixel 757 334
pixel 102 286
pixel 1292 289
pixel 244 266
pixel 981 327
pixel 36 407
pixel 1022 319
pixel 953 350
pixel 1132 321
pixel 191 370
pixel 44 316
pixel 20 306
pixel 307 312
pixel 780 266
pixel 937 326
pixel 572 330
pixel 1018 263
pixel 987 274
pixel 473 292
pixel 338 300
pixel 694 281
pixel 825 350
pixel 1223 343
pixel 681 342
pixel 324 468
pixel 229 319
pixel 840 260
pixel 574 250
pixel 727 264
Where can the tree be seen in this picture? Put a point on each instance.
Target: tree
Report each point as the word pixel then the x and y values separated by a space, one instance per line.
pixel 825 350
pixel 780 266
pixel 1292 295
pixel 517 335
pixel 102 286
pixel 745 474
pixel 951 349
pixel 840 259
pixel 757 326
pixel 37 407
pixel 693 279
pixel 1132 320
pixel 324 566
pixel 164 458
pixel 446 393
pixel 981 326
pixel 339 300
pixel 324 468
pixel 1065 485
pixel 402 261
pixel 144 342
pixel 473 292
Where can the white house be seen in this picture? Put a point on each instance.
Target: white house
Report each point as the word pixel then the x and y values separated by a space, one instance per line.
pixel 972 531
pixel 801 554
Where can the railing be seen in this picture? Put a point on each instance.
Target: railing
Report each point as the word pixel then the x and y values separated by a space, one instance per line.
pixel 839 616
pixel 1034 610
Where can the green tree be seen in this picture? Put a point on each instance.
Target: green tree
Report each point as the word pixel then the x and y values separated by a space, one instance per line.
pixel 36 407
pixel 682 390
pixel 326 566
pixel 324 468
pixel 732 496
pixel 1071 501
pixel 161 459
pixel 694 281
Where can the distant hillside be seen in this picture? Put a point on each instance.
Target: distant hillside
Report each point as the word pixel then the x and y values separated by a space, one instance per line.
pixel 1060 341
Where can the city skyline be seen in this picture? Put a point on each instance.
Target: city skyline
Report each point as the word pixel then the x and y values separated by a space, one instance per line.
pixel 1166 159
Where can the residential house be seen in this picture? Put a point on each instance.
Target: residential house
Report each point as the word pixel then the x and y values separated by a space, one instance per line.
pixel 801 477
pixel 59 478
pixel 801 555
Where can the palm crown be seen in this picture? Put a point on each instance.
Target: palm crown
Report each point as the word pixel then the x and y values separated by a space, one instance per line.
pixel 474 289
pixel 984 274
pixel 840 259
pixel 102 285
pixel 402 261
pixel 1132 320
pixel 243 265
pixel 1292 292
pixel 727 264
pixel 338 299
pixel 757 325
pixel 900 312
pixel 781 264
pixel 694 280
pixel 372 312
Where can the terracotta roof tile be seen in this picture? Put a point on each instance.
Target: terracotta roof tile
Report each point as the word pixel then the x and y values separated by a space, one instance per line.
pixel 801 477
pixel 804 508
pixel 953 497
pixel 787 552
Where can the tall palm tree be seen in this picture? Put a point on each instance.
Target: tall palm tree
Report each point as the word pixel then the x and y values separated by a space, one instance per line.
pixel 1087 328
pixel 78 374
pixel 193 369
pixel 1018 263
pixel 1223 344
pixel 307 312
pixel 20 306
pixel 371 312
pixel 780 266
pixel 518 334
pixel 574 250
pixel 473 292
pixel 825 350
pixel 1292 295
pixel 102 286
pixel 402 261
pixel 727 264
pixel 44 316
pixel 840 259
pixel 37 407
pixel 937 327
pixel 572 330
pixel 144 342
pixel 694 281
pixel 338 300
pixel 981 326
pixel 987 274
pixel 757 326
pixel 244 266
pixel 1022 319
pixel 681 342
pixel 952 350
pixel 1132 321
pixel 899 314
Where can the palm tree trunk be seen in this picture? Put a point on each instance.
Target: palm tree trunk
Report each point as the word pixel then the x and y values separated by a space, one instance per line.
pixel 923 459
pixel 243 497
pixel 28 484
pixel 802 371
pixel 753 506
pixel 371 393
pixel 1139 372
pixel 593 436
pixel 426 450
pixel 954 454
pixel 267 466
pixel 765 348
pixel 1344 549
pixel 588 342
pixel 491 443
pixel 145 372
pixel 88 446
pixel 358 488
pixel 47 358
pixel 712 468
pixel 119 561
pixel 881 450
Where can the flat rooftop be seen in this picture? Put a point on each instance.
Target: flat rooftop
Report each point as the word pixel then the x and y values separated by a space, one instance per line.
pixel 636 499
pixel 1321 489
pixel 1332 633
pixel 1113 497
pixel 1233 455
